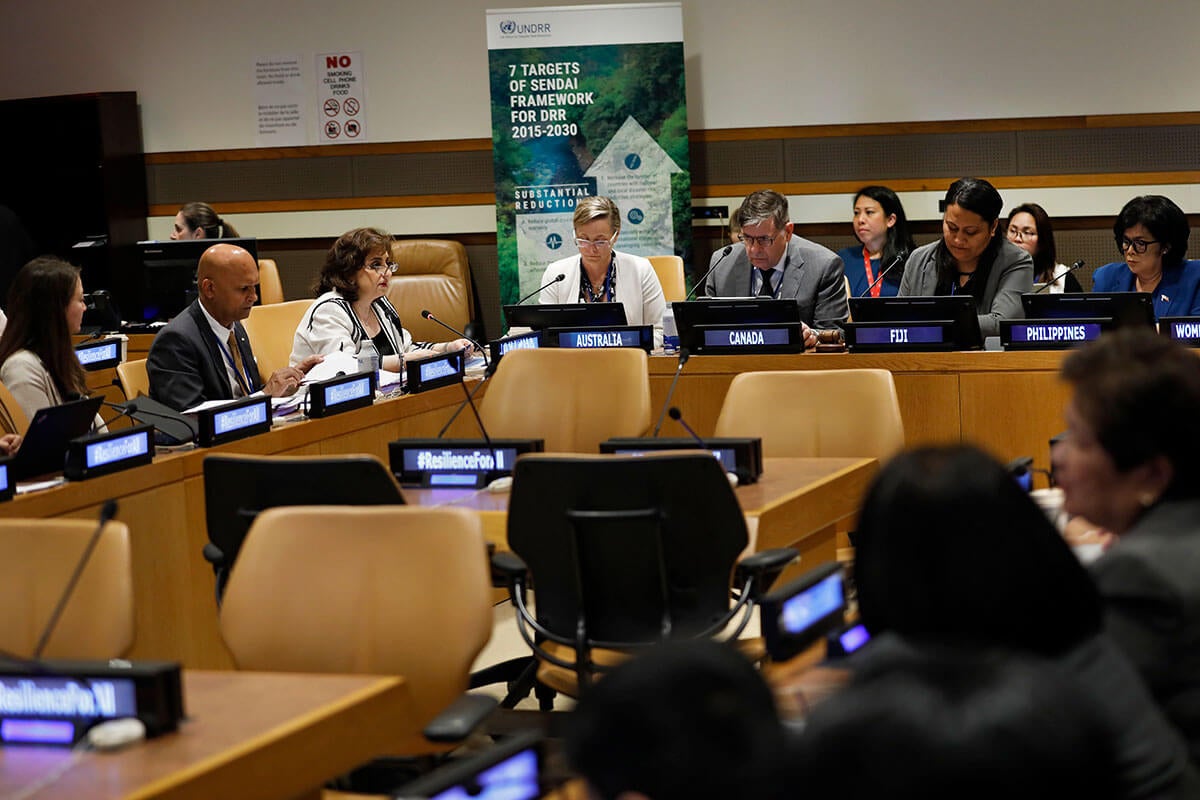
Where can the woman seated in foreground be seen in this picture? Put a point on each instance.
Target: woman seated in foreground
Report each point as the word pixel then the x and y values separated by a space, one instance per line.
pixel 971 258
pixel 1130 463
pixel 951 552
pixel 352 307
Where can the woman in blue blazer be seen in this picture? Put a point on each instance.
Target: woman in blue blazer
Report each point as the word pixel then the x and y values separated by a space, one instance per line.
pixel 1152 233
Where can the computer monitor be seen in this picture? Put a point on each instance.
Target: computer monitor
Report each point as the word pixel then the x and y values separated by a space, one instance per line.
pixel 169 276
pixel 958 309
pixel 511 770
pixel 1123 308
pixel 540 316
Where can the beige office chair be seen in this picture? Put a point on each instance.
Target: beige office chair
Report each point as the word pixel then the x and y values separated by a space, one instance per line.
pixel 573 399
pixel 670 274
pixel 12 416
pixel 432 274
pixel 839 412
pixel 133 378
pixel 39 557
pixel 272 330
pixel 379 590
pixel 270 288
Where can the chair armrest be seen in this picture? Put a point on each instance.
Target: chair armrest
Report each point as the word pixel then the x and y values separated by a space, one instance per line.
pixel 764 567
pixel 460 718
pixel 214 555
pixel 508 567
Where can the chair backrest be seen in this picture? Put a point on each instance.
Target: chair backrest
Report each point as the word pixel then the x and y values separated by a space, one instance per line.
pixel 238 488
pixel 12 416
pixel 272 330
pixel 642 547
pixel 837 413
pixel 39 557
pixel 270 288
pixel 670 274
pixel 573 399
pixel 133 378
pixel 432 274
pixel 387 591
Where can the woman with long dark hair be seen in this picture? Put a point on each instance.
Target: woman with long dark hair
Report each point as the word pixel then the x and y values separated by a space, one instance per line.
pixel 37 358
pixel 1029 228
pixel 970 258
pixel 881 227
pixel 201 221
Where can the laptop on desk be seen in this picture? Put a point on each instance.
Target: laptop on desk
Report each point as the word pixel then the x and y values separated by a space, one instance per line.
pixel 44 446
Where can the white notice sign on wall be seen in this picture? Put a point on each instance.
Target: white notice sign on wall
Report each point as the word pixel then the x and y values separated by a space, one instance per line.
pixel 341 91
pixel 280 99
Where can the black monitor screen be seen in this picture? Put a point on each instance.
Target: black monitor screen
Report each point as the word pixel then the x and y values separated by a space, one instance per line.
pixel 565 315
pixel 169 275
pixel 1123 308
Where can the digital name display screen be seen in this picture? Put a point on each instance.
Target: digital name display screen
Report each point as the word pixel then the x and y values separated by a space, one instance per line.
pixel 458 459
pixel 514 778
pixel 47 697
pixel 725 455
pixel 99 353
pixel 1055 333
pixel 522 341
pixel 1186 331
pixel 347 392
pixel 587 339
pixel 122 448
pixel 237 419
pixel 440 368
pixel 812 605
pixel 746 337
pixel 900 335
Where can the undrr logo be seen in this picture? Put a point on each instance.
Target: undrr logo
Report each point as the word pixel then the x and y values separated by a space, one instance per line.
pixel 507 26
pixel 636 216
pixel 554 241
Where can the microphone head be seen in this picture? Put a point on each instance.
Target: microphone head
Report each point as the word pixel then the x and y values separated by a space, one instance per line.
pixel 684 355
pixel 425 313
pixel 674 413
pixel 562 276
pixel 728 249
pixel 1077 264
pixel 108 511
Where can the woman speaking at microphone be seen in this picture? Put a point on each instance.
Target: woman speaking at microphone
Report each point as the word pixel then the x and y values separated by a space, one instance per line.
pixel 881 228
pixel 352 307
pixel 601 274
pixel 971 258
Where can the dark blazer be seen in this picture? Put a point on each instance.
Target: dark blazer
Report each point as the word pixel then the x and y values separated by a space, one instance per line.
pixel 813 276
pixel 1177 294
pixel 1150 582
pixel 185 365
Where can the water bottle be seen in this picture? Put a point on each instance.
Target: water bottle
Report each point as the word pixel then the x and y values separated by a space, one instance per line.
pixel 670 333
pixel 368 359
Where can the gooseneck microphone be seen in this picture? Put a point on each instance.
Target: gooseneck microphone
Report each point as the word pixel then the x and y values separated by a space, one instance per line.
pixel 562 276
pixel 724 253
pixel 900 258
pixel 107 512
pixel 1077 265
pixel 684 355
pixel 173 424
pixel 427 314
pixel 677 415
